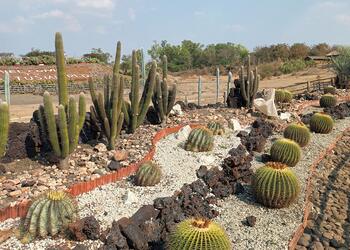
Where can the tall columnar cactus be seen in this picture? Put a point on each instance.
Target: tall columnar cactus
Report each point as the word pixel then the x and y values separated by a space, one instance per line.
pixel 216 127
pixel 63 133
pixel 4 126
pixel 285 151
pixel 275 185
pixel 199 234
pixel 48 215
pixel 249 84
pixel 163 97
pixel 7 87
pixel 200 140
pixel 107 107
pixel 61 71
pixel 321 123
pixel 148 174
pixel 299 133
pixel 328 100
pixel 135 111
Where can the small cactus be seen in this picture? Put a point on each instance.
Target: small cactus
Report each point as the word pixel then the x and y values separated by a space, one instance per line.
pixel 4 127
pixel 299 133
pixel 321 123
pixel 288 96
pixel 328 100
pixel 200 140
pixel 216 128
pixel 148 174
pixel 198 234
pixel 275 185
pixel 50 214
pixel 249 84
pixel 279 96
pixel 285 151
pixel 329 90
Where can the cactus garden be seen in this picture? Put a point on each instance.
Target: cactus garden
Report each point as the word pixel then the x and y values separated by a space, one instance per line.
pixel 129 159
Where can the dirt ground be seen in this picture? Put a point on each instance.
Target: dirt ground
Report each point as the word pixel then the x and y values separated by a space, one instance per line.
pixel 22 106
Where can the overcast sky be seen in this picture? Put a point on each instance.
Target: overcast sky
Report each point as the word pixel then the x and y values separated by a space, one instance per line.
pixel 86 24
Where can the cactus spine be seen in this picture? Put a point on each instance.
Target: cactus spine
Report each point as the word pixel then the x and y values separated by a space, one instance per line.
pixel 198 234
pixel 148 174
pixel 250 86
pixel 285 151
pixel 200 140
pixel 216 128
pixel 328 100
pixel 4 126
pixel 299 133
pixel 321 123
pixel 135 111
pixel 275 185
pixel 163 98
pixel 107 107
pixel 50 214
pixel 7 87
pixel 61 71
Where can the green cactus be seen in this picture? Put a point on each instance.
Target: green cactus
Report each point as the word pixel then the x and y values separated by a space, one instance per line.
pixel 4 127
pixel 249 85
pixel 135 111
pixel 200 140
pixel 163 98
pixel 61 71
pixel 285 151
pixel 288 96
pixel 49 215
pixel 279 96
pixel 198 234
pixel 321 123
pixel 107 107
pixel 216 127
pixel 329 90
pixel 275 185
pixel 299 133
pixel 328 100
pixel 148 174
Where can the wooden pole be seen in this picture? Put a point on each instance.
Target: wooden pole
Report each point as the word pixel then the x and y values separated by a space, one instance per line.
pixel 217 84
pixel 199 90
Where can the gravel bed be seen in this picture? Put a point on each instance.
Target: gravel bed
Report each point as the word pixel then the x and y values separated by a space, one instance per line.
pixel 274 227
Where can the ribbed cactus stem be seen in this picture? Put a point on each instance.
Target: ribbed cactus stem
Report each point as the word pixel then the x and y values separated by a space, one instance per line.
pixel 72 124
pixel 134 92
pixel 4 126
pixel 61 71
pixel 217 84
pixel 82 110
pixel 62 124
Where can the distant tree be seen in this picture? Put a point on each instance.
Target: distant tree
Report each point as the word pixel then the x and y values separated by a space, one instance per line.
pixel 320 49
pixel 125 65
pixel 195 50
pixel 299 51
pixel 37 52
pixel 103 57
pixel 6 54
pixel 263 54
pixel 280 52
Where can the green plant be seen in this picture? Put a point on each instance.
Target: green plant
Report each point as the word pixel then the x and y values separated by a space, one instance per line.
pixel 299 133
pixel 341 63
pixel 163 98
pixel 321 123
pixel 249 84
pixel 135 111
pixel 4 126
pixel 275 185
pixel 285 151
pixel 279 96
pixel 288 96
pixel 107 107
pixel 216 127
pixel 329 90
pixel 61 71
pixel 200 140
pixel 199 234
pixel 148 174
pixel 328 100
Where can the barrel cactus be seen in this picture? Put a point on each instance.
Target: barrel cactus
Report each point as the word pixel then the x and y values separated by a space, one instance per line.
pixel 50 214
pixel 275 185
pixel 200 140
pixel 328 100
pixel 321 123
pixel 299 133
pixel 216 127
pixel 329 90
pixel 198 234
pixel 285 151
pixel 279 96
pixel 148 174
pixel 288 96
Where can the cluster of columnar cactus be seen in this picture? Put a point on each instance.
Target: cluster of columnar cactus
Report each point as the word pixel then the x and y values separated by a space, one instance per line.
pixel 163 97
pixel 285 151
pixel 329 90
pixel 148 174
pixel 107 107
pixel 249 84
pixel 328 100
pixel 135 111
pixel 321 123
pixel 200 140
pixel 216 127
pixel 50 214
pixel 275 185
pixel 299 133
pixel 283 96
pixel 198 234
pixel 4 126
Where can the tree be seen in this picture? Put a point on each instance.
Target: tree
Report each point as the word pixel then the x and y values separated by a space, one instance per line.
pixel 103 57
pixel 299 51
pixel 280 52
pixel 37 52
pixel 125 65
pixel 320 49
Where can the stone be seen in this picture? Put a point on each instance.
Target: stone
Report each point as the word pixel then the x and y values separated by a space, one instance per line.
pixel 176 110
pixel 183 133
pixel 206 159
pixel 100 147
pixel 305 240
pixel 316 245
pixel 251 221
pixel 28 183
pixel 285 116
pixel 133 233
pixel 202 171
pixel 130 197
pixel 115 239
pixel 2 169
pixel 145 213
pixel 120 155
pixel 15 193
pixel 234 124
pixel 80 247
pixel 114 166
pixel 91 228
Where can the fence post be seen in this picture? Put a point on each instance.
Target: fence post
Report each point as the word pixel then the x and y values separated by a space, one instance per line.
pixel 199 90
pixel 229 79
pixel 225 97
pixel 186 100
pixel 217 84
pixel 308 87
pixel 7 87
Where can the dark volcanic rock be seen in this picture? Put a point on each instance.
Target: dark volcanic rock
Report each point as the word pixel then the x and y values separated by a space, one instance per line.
pixel 115 239
pixel 86 228
pixel 145 213
pixel 134 235
pixel 251 221
pixel 114 165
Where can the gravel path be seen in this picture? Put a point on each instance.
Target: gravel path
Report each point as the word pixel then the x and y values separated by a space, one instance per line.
pixel 274 227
